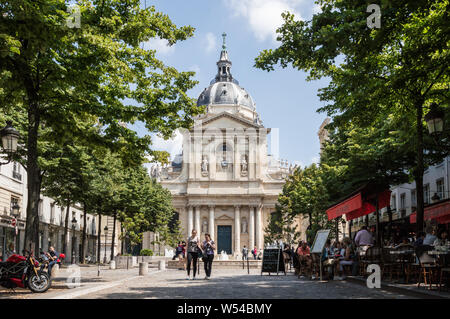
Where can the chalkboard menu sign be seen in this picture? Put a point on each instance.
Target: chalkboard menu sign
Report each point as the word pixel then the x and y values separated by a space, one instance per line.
pixel 273 261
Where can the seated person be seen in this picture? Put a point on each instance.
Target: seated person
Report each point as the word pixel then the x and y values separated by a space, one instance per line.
pixel 347 253
pixel 442 240
pixel 304 255
pixel 52 257
pixel 179 251
pixel 420 237
pixel 405 242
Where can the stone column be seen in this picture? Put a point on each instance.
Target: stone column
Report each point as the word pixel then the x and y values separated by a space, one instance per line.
pixel 197 220
pixel 251 228
pixel 237 230
pixel 211 226
pixel 259 239
pixel 190 220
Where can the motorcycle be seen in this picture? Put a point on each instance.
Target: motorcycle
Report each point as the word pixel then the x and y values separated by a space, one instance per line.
pixel 24 272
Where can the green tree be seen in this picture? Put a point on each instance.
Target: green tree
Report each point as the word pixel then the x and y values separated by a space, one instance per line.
pixel 146 206
pixel 305 194
pixel 395 71
pixel 52 75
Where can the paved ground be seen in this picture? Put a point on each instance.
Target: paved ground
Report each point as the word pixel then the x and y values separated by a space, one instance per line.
pixel 224 284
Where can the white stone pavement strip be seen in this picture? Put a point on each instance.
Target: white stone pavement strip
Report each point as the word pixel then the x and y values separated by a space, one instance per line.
pixel 79 292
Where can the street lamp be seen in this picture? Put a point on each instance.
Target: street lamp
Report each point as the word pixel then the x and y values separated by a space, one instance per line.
pixel 15 212
pixel 435 119
pixel 106 234
pixel 10 137
pixel 435 197
pixel 74 223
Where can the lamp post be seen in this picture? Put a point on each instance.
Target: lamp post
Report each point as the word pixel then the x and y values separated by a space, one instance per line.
pixel 435 123
pixel 106 234
pixel 10 137
pixel 435 119
pixel 74 223
pixel 15 212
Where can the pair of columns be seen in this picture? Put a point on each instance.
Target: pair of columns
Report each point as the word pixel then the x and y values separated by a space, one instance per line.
pixel 255 223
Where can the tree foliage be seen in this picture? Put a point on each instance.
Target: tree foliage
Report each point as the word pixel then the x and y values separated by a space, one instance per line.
pixel 382 81
pixel 58 81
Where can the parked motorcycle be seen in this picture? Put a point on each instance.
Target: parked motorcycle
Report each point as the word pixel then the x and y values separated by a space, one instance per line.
pixel 24 272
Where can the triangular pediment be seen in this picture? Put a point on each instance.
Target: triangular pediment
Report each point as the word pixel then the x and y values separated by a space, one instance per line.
pixel 228 120
pixel 224 217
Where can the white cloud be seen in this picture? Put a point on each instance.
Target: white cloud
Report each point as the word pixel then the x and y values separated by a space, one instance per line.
pixel 263 16
pixel 160 45
pixel 316 9
pixel 315 160
pixel 211 42
pixel 173 145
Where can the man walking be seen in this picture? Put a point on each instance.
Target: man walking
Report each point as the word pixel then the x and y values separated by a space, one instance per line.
pixel 244 253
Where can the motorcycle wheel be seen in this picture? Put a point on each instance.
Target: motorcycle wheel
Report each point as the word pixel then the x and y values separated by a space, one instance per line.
pixel 39 283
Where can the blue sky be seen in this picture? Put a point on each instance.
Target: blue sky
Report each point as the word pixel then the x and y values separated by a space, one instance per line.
pixel 284 99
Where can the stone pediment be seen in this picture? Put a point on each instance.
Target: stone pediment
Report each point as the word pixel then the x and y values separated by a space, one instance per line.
pixel 228 120
pixel 224 217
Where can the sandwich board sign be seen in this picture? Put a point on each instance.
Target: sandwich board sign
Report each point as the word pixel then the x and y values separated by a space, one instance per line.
pixel 319 244
pixel 273 261
pixel 319 241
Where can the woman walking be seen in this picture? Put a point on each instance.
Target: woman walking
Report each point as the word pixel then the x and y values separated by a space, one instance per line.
pixel 192 253
pixel 208 247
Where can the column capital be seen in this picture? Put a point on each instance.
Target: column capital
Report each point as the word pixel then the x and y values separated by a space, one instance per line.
pixel 237 206
pixel 211 206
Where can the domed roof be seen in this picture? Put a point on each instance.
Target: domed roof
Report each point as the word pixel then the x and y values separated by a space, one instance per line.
pixel 225 93
pixel 224 89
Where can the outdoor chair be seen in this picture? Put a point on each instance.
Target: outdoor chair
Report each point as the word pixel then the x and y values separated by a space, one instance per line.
pixel 304 269
pixel 373 256
pixel 389 266
pixel 287 261
pixel 429 269
pixel 443 271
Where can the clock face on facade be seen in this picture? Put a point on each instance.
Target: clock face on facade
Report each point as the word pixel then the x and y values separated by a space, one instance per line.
pixel 224 163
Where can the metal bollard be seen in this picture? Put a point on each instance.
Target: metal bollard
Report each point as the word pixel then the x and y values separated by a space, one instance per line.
pixel 143 269
pixel 112 264
pixel 162 265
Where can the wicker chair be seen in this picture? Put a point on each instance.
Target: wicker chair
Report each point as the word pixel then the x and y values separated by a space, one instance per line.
pixel 429 269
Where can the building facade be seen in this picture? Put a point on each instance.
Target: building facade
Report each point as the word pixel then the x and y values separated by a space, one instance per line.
pixel 225 183
pixel 13 190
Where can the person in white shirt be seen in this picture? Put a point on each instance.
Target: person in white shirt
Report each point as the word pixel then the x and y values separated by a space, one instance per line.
pixel 430 237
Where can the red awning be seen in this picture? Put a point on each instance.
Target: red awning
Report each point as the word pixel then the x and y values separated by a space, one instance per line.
pixel 347 206
pixel 384 199
pixel 440 212
pixel 366 209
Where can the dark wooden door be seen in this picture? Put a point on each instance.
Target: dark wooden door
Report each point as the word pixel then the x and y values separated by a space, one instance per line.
pixel 224 239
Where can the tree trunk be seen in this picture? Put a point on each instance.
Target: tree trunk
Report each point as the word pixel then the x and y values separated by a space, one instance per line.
pixel 66 227
pixel 99 236
pixel 389 222
pixel 34 179
pixel 113 236
pixel 121 235
pixel 419 169
pixel 83 238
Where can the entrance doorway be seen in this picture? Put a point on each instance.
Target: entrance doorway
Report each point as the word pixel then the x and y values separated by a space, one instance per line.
pixel 224 239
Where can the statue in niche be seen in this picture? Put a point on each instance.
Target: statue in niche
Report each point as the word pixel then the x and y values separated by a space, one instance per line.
pixel 244 225
pixel 244 165
pixel 204 165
